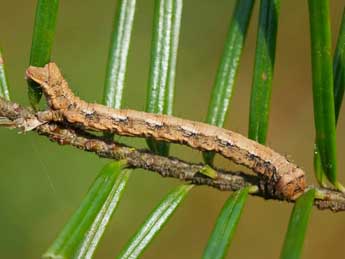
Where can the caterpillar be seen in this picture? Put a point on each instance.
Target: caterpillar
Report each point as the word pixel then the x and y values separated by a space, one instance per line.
pixel 287 179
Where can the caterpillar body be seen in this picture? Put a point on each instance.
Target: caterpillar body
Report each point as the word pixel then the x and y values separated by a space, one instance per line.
pixel 287 179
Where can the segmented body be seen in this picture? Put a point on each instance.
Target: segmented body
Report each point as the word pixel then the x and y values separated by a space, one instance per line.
pixel 288 180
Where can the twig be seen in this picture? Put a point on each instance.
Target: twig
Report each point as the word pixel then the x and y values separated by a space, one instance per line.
pixel 15 116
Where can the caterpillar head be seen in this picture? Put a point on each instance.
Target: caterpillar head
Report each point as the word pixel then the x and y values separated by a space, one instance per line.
pixel 53 85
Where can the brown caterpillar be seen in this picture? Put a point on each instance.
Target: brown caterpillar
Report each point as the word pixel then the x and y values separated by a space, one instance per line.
pixel 287 179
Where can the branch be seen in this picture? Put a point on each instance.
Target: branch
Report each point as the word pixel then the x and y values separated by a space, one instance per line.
pixel 14 116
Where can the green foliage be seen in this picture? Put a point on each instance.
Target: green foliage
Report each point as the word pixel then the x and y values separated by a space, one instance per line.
pixel 339 86
pixel 263 70
pixel 225 80
pixel 166 30
pixel 322 72
pixel 339 69
pixel 82 233
pixel 3 80
pixel 154 222
pixel 42 41
pixel 226 224
pixel 118 52
pixel 295 235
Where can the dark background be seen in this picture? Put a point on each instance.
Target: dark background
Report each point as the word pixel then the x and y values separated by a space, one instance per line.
pixel 41 183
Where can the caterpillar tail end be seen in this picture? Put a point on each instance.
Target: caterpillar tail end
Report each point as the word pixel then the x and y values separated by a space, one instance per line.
pixel 292 185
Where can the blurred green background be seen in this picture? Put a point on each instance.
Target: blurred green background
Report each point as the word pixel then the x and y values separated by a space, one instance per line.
pixel 41 183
